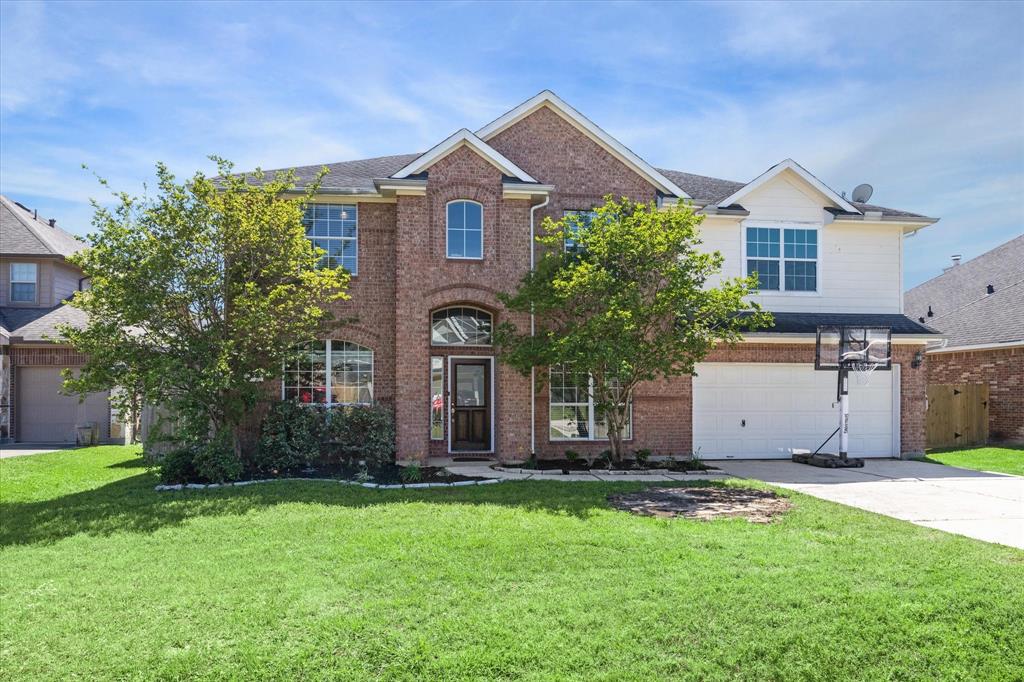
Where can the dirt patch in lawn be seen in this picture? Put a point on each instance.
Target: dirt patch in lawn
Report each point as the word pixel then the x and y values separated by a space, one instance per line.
pixel 757 506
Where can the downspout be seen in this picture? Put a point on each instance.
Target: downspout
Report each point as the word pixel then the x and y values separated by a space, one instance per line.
pixel 533 331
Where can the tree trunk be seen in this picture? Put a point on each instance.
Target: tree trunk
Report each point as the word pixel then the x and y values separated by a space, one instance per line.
pixel 613 420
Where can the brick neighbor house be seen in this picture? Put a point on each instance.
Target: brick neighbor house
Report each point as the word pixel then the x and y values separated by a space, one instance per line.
pixel 979 307
pixel 432 238
pixel 35 280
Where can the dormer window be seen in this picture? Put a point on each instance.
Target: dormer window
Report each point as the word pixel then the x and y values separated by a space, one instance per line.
pixel 465 230
pixel 24 282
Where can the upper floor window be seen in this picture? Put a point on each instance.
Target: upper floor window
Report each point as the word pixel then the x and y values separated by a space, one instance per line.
pixel 791 265
pixel 576 221
pixel 334 228
pixel 24 284
pixel 465 229
pixel 460 326
pixel 330 373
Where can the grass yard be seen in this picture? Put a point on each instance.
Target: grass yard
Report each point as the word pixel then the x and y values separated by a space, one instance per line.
pixel 1003 460
pixel 103 578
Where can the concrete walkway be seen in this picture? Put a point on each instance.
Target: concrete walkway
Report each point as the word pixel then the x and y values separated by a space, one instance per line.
pixel 977 504
pixel 21 449
pixel 484 470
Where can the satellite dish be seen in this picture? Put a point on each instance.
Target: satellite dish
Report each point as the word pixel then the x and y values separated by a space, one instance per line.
pixel 861 193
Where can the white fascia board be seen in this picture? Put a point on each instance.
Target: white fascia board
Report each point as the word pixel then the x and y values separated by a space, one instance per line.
pixel 977 347
pixel 587 127
pixel 789 164
pixel 459 139
pixel 906 222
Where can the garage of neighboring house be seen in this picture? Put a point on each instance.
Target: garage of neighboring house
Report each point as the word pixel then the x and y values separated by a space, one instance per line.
pixel 44 415
pixel 766 410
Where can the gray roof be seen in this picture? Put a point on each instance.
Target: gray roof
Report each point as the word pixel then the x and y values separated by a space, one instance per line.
pixel 960 303
pixel 40 324
pixel 23 234
pixel 352 177
pixel 808 323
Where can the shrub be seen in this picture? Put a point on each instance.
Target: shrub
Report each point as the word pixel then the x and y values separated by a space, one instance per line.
pixel 289 438
pixel 363 432
pixel 412 473
pixel 216 461
pixel 642 455
pixel 572 455
pixel 177 466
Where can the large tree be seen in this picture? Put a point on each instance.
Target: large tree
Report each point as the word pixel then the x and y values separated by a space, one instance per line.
pixel 624 294
pixel 199 293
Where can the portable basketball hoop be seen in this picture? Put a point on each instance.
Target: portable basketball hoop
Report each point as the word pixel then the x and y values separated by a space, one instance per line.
pixel 843 350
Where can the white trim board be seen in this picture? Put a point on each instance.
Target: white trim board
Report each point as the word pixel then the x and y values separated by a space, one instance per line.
pixel 803 173
pixel 587 127
pixel 463 138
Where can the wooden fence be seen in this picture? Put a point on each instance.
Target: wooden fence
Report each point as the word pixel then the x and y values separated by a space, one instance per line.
pixel 957 415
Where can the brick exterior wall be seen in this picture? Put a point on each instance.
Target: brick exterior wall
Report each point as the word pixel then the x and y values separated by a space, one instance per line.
pixel 1003 370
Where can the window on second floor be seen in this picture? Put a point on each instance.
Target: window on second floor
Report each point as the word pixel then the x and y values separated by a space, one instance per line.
pixel 580 219
pixel 335 229
pixel 24 282
pixel 785 259
pixel 465 229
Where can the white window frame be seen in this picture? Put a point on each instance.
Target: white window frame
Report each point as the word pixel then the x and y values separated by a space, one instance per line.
pixel 591 416
pixel 34 283
pixel 460 345
pixel 355 239
pixel 327 380
pixel 573 211
pixel 781 260
pixel 430 413
pixel 447 230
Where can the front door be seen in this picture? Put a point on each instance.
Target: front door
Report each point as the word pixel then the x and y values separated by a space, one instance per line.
pixel 470 404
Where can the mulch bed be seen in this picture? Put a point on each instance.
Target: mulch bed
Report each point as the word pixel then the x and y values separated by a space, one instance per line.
pixel 706 503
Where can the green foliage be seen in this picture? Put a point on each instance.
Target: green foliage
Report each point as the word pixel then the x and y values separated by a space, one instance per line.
pixel 642 456
pixel 412 473
pixel 363 432
pixel 178 466
pixel 289 438
pixel 634 301
pixel 572 455
pixel 215 461
pixel 198 294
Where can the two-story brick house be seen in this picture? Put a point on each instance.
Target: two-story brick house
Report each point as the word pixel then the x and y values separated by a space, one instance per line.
pixel 432 239
pixel 35 281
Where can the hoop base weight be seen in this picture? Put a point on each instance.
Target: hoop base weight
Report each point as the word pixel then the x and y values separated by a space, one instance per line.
pixel 827 461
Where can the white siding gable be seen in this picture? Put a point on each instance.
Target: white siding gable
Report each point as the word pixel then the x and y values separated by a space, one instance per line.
pixel 859 263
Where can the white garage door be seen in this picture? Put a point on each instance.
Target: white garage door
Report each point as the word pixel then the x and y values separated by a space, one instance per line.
pixel 46 416
pixel 765 411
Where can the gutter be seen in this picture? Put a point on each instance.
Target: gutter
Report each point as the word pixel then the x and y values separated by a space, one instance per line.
pixel 978 346
pixel 533 331
pixel 811 337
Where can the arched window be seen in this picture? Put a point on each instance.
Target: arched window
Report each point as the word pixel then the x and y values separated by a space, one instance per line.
pixel 330 373
pixel 465 229
pixel 460 326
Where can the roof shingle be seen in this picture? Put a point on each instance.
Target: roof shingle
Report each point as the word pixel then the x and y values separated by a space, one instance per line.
pixel 23 234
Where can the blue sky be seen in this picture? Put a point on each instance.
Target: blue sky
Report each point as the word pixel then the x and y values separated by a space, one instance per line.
pixel 923 101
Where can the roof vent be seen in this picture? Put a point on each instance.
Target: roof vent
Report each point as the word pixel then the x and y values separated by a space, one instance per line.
pixel 53 222
pixel 956 258
pixel 921 320
pixel 990 289
pixel 930 313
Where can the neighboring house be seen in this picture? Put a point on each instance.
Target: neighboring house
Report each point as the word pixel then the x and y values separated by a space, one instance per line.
pixel 979 307
pixel 432 239
pixel 35 280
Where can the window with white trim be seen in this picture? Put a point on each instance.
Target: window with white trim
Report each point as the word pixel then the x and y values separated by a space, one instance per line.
pixel 460 326
pixel 24 286
pixel 582 220
pixel 791 265
pixel 436 398
pixel 330 373
pixel 465 227
pixel 335 229
pixel 572 414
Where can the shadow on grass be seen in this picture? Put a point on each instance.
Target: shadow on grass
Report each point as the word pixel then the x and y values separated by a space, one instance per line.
pixel 131 505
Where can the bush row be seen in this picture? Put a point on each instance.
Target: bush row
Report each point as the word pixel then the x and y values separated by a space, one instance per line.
pixel 293 437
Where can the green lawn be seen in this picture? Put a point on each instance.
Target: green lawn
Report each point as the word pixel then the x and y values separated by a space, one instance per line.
pixel 1004 460
pixel 103 578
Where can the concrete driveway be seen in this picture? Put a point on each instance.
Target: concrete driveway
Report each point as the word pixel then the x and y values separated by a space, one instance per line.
pixel 977 504
pixel 20 449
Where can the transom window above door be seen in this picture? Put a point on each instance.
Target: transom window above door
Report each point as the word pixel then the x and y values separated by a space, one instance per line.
pixel 335 229
pixel 785 259
pixel 460 326
pixel 465 228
